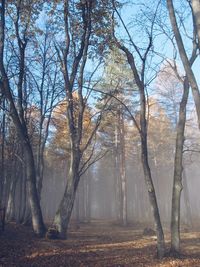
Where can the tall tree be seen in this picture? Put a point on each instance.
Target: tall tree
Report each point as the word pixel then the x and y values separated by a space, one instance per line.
pixel 178 162
pixel 17 111
pixel 80 24
pixel 118 79
pixel 139 77
pixel 182 51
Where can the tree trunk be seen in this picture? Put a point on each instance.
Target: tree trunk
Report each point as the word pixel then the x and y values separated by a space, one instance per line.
pixel 187 200
pixel 123 185
pixel 147 174
pixel 88 196
pixel 2 175
pixel 10 210
pixel 196 14
pixel 184 59
pixel 77 206
pixel 21 127
pixel 177 184
pixel 144 148
pixel 23 197
pixel 40 175
pixel 63 214
pixel 36 213
pixel 153 201
pixel 117 173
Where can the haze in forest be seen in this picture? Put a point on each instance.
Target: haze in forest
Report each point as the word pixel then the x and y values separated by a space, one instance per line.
pixel 100 115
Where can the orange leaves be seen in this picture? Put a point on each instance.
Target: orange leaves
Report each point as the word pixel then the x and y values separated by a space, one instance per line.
pixel 61 133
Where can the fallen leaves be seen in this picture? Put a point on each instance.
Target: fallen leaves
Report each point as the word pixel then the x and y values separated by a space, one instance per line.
pixel 92 245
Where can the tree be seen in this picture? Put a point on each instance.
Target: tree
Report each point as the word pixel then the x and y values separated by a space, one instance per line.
pixel 17 112
pixel 182 51
pixel 46 84
pixel 178 165
pixel 139 77
pixel 80 32
pixel 118 79
pixel 196 18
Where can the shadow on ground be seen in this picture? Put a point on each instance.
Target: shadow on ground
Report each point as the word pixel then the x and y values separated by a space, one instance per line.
pixel 95 244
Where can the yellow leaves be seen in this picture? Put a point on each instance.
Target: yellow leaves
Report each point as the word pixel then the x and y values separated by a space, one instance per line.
pixel 61 137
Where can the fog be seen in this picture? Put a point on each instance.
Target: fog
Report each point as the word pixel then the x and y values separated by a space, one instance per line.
pixel 97 196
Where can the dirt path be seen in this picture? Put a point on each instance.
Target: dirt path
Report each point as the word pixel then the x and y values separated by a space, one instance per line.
pixel 95 244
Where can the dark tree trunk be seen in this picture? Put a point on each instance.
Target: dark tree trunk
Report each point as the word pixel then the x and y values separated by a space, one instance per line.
pixel 2 174
pixel 144 148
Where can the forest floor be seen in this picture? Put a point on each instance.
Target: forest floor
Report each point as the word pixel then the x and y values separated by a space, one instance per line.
pixel 97 244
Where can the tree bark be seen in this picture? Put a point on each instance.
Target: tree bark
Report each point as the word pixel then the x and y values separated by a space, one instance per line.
pixel 152 197
pixel 123 184
pixel 63 214
pixel 10 210
pixel 117 173
pixel 187 200
pixel 36 213
pixel 37 220
pixel 184 59
pixel 144 148
pixel 2 175
pixel 196 14
pixel 178 168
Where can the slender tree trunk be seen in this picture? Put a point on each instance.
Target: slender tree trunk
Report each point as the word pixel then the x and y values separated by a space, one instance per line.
pixel 147 175
pixel 10 210
pixel 77 206
pixel 2 175
pixel 11 206
pixel 177 184
pixel 20 125
pixel 187 200
pixel 63 214
pixel 87 196
pixel 144 147
pixel 23 197
pixel 184 58
pixel 152 198
pixel 117 173
pixel 196 14
pixel 123 171
pixel 40 174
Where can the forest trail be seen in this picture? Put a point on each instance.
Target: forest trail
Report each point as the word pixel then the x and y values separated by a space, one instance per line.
pixel 96 244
